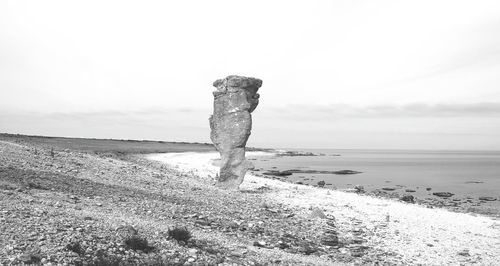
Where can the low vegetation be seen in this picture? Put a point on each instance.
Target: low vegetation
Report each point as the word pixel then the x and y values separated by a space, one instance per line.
pixel 179 234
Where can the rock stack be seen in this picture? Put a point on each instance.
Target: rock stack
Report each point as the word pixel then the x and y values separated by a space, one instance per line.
pixel 234 100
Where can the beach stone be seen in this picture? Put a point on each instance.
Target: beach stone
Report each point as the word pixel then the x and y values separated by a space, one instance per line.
pixel 235 99
pixel 259 243
pixel 321 183
pixel 343 250
pixel 126 231
pixel 464 253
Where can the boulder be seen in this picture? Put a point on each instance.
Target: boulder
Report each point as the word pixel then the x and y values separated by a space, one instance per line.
pixel 359 189
pixel 330 237
pixel 408 198
pixel 235 99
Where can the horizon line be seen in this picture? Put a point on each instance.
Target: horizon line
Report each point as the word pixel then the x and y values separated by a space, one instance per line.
pixel 258 147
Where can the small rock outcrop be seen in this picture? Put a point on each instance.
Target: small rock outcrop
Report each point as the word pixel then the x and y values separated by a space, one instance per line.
pixel 317 213
pixel 235 98
pixel 408 198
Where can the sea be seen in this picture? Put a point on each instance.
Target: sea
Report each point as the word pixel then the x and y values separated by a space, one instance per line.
pixel 468 175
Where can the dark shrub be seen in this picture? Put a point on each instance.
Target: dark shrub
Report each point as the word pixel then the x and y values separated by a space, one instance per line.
pixel 75 247
pixel 137 243
pixel 179 234
pixel 101 258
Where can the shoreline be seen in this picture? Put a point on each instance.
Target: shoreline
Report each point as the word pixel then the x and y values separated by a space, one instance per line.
pixel 67 207
pixel 436 236
pixel 471 196
pixel 398 195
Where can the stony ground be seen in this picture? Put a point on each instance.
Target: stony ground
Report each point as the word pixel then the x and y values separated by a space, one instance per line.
pixel 65 207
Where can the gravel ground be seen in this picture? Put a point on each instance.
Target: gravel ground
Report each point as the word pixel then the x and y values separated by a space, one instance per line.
pixel 64 207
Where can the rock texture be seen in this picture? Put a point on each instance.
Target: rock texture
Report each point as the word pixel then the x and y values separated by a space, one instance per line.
pixel 235 98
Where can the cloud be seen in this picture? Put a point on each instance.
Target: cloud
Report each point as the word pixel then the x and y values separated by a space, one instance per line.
pixel 484 109
pixel 193 116
pixel 434 110
pixel 177 124
pixel 440 126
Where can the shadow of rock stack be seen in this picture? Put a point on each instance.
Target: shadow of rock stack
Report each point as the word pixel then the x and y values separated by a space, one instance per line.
pixel 234 100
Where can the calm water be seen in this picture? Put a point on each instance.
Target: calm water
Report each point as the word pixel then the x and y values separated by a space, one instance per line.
pixel 448 171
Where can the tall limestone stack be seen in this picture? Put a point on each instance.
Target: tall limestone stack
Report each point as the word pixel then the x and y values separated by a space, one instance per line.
pixel 235 98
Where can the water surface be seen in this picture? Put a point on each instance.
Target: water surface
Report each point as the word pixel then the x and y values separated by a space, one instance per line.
pixel 470 174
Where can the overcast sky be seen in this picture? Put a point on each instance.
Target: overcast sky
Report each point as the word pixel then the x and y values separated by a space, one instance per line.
pixel 336 74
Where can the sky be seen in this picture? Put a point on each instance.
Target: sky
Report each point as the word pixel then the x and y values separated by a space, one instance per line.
pixel 336 74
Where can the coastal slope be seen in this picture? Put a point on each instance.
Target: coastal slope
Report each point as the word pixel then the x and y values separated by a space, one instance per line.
pixel 67 207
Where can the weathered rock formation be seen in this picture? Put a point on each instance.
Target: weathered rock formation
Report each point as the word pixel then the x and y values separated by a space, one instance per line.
pixel 235 98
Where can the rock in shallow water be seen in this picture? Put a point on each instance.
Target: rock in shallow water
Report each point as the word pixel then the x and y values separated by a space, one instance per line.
pixel 278 173
pixel 235 98
pixel 487 198
pixel 443 194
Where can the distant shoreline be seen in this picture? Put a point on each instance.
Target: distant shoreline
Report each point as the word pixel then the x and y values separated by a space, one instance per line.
pixel 118 146
pixel 193 146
